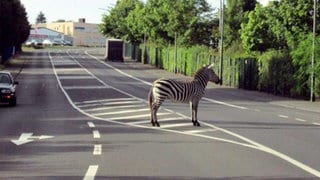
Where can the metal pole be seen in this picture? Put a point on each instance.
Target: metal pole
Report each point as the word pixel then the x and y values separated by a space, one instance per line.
pixel 175 53
pixel 313 51
pixel 221 39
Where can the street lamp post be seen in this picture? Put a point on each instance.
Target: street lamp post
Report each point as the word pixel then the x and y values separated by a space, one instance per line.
pixel 221 39
pixel 313 51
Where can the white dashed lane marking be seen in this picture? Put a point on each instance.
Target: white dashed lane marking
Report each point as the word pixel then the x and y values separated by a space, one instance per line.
pixel 97 150
pixel 96 134
pixel 91 172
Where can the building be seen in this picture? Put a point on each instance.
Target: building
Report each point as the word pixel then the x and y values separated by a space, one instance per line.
pixel 83 34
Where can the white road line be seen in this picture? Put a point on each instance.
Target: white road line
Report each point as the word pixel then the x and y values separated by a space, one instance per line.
pixel 109 103
pixel 225 104
pixel 96 134
pixel 200 131
pixel 91 172
pixel 283 116
pixel 114 107
pixel 171 118
pixel 130 117
pixel 159 120
pixel 121 102
pixel 91 124
pixel 135 116
pixel 317 124
pixel 69 69
pixel 301 120
pixel 84 87
pixel 176 125
pixel 76 77
pixel 97 150
pixel 121 112
pixel 106 100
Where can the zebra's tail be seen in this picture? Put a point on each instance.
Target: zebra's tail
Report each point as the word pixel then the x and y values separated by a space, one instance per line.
pixel 150 98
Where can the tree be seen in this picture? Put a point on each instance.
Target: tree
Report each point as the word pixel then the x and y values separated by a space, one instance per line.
pixel 114 24
pixel 41 18
pixel 14 26
pixel 192 21
pixel 236 13
pixel 263 30
pixel 135 22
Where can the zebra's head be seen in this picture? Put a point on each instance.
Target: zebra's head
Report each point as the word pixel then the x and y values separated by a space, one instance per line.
pixel 211 74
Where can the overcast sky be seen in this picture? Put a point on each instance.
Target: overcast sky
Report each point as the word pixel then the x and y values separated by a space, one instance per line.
pixel 91 10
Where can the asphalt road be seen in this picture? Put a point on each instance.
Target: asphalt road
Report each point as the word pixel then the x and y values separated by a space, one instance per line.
pixel 81 118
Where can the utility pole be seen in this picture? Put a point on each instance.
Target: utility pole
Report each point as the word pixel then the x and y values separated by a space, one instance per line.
pixel 312 98
pixel 221 24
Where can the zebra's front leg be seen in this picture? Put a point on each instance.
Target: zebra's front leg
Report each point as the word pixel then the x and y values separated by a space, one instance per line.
pixel 194 113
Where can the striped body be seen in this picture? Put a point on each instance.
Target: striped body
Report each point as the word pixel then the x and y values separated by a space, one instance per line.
pixel 180 91
pixel 176 91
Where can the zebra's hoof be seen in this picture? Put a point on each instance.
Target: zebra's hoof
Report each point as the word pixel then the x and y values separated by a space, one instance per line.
pixel 196 123
pixel 157 124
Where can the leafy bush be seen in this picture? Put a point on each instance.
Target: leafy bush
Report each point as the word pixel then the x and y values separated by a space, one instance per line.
pixel 302 61
pixel 276 73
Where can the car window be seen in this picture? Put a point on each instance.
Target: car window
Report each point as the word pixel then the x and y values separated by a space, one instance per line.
pixel 5 79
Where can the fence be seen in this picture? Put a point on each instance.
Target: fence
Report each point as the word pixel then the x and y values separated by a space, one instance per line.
pixel 241 73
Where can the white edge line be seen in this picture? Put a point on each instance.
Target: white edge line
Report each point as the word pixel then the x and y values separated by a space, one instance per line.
pixel 254 145
pixel 91 172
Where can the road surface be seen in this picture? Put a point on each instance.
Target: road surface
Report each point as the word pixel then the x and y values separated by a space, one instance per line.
pixel 79 117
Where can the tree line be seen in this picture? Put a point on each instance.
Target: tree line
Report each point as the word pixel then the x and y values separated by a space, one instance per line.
pixel 278 36
pixel 14 27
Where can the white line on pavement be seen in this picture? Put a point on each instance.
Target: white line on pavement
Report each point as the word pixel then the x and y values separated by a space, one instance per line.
pixel 317 124
pixel 97 150
pixel 121 112
pixel 283 116
pixel 91 172
pixel 114 107
pixel 91 124
pixel 301 120
pixel 96 134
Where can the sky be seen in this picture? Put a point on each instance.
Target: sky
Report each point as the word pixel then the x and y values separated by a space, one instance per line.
pixel 91 10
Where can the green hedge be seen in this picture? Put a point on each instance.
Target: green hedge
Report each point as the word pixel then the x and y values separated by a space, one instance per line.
pixel 276 73
pixel 272 72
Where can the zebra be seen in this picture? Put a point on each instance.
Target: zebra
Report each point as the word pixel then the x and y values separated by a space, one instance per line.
pixel 181 91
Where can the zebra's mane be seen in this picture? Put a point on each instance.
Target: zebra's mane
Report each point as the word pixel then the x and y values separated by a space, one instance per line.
pixel 199 72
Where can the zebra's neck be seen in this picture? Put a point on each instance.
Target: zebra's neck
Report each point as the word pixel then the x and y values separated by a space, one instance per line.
pixel 202 79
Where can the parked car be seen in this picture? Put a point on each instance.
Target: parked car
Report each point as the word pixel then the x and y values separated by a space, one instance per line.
pixel 7 89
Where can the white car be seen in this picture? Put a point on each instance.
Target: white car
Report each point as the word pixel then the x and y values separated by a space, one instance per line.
pixel 7 89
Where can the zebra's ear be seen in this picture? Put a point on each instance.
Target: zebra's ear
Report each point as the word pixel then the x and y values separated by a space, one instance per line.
pixel 211 66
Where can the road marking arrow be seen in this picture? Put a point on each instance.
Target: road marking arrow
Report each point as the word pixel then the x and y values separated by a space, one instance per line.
pixel 27 137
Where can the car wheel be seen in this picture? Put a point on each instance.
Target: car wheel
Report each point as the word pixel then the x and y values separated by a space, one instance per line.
pixel 13 102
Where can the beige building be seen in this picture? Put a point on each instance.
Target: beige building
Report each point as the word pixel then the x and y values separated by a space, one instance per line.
pixel 83 34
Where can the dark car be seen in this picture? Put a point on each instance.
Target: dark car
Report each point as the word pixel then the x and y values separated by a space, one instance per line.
pixel 7 89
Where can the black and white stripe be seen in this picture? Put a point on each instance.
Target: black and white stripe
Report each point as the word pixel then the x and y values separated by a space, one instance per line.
pixel 181 91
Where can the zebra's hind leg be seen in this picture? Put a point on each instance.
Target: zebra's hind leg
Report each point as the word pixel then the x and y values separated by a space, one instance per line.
pixel 154 119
